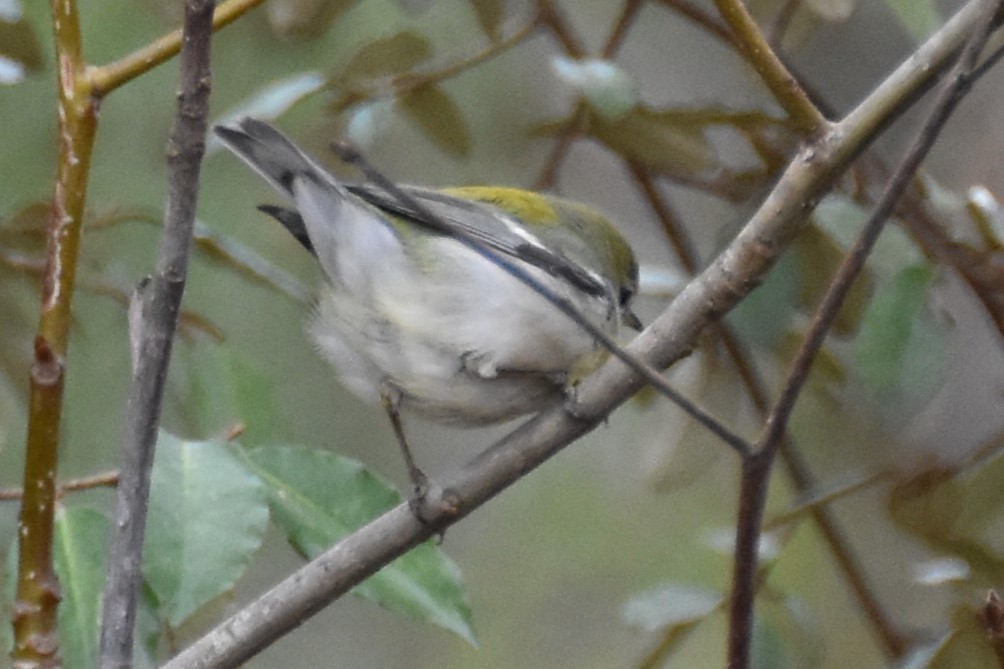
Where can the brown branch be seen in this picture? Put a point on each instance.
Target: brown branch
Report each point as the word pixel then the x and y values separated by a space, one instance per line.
pixel 106 480
pixel 106 78
pixel 158 303
pixel 35 635
pixel 781 83
pixel 993 623
pixel 621 27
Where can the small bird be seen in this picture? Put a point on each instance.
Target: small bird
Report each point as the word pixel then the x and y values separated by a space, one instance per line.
pixel 412 316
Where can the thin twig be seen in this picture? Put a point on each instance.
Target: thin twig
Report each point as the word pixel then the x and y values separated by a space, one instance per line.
pixel 993 623
pixel 106 78
pixel 106 480
pixel 757 469
pixel 772 70
pixel 158 302
pixel 621 27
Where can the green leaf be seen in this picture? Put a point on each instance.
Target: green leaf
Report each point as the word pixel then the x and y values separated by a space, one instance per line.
pixel 957 513
pixel 611 91
pixel 225 385
pixel 80 544
pixel 791 635
pixel 662 140
pixel 317 497
pixel 671 605
pixel 8 592
pixel 399 53
pixel 305 19
pixel 919 17
pixel 208 514
pixel 20 51
pixel 439 118
pixel 769 649
pixel 900 347
pixel 819 256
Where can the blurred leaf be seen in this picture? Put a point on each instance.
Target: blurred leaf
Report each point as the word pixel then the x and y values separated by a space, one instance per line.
pixel 842 219
pixel 20 51
pixel 225 386
pixel 236 256
pixel 270 102
pixel 79 556
pixel 985 210
pixel 490 14
pixel 26 228
pixel 611 92
pixel 670 605
pixel 385 57
pixel 941 570
pixel 919 17
pixel 764 318
pixel 833 11
pixel 367 122
pixel 900 346
pixel 769 649
pixel 305 19
pixel 966 647
pixel 661 140
pixel 922 656
pixel 439 118
pixel 956 513
pixel 7 596
pixel 317 497
pixel 208 514
pixel 695 449
pixel 827 368
pixel 819 256
pixel 791 636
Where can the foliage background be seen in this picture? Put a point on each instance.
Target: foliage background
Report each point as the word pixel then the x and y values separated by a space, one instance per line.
pixel 550 565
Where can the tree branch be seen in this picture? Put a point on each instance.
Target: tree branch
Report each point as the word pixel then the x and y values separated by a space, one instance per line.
pixel 157 303
pixel 35 635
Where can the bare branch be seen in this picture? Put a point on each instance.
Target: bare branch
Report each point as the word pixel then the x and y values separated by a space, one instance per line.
pixel 156 308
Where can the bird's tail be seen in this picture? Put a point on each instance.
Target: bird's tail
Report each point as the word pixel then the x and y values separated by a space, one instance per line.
pixel 270 153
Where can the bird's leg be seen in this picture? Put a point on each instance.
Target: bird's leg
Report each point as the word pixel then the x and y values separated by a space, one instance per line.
pixel 391 399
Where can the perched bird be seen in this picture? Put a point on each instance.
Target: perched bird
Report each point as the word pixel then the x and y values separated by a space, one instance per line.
pixel 411 315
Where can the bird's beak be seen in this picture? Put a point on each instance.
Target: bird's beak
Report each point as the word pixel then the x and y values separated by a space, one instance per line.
pixel 631 320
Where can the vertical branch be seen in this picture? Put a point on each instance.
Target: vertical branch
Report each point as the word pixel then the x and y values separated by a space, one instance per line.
pixel 156 305
pixel 757 468
pixel 35 634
